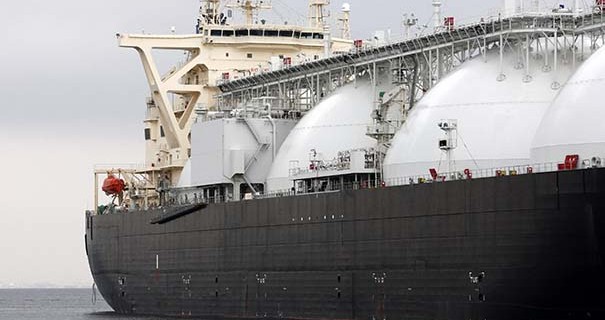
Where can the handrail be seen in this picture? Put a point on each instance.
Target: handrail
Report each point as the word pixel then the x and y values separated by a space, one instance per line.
pixel 465 174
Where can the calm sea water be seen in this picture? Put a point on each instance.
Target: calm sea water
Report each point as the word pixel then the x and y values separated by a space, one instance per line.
pixel 56 304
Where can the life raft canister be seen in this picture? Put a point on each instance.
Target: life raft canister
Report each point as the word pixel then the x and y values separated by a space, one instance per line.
pixel 113 185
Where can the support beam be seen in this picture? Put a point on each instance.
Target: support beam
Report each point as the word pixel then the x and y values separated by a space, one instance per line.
pixel 176 124
pixel 420 63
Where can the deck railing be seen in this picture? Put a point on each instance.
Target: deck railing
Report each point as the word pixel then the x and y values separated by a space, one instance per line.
pixel 178 199
pixel 441 177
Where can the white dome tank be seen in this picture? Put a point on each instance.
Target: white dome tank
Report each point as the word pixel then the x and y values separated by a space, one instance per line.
pixel 573 124
pixel 496 119
pixel 336 124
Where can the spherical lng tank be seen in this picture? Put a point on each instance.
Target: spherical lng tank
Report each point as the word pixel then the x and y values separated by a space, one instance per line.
pixel 336 124
pixel 497 110
pixel 573 124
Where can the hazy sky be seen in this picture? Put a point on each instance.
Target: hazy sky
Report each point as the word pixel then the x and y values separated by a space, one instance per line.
pixel 70 98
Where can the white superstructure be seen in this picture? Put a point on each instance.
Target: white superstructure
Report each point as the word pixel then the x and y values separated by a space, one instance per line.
pixel 222 50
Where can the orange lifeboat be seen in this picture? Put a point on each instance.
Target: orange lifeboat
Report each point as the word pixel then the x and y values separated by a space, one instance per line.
pixel 113 185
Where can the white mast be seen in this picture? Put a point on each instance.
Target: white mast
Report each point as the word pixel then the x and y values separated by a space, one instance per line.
pixel 437 22
pixel 316 13
pixel 346 22
pixel 450 142
pixel 409 22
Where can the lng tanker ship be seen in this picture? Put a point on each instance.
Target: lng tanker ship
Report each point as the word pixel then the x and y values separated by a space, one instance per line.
pixel 454 174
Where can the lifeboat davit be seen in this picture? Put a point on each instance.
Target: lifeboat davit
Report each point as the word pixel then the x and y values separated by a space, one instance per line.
pixel 113 185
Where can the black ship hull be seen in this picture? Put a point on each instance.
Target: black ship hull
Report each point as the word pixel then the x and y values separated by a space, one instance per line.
pixel 511 248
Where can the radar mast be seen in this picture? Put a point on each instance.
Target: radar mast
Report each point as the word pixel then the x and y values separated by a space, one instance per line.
pixel 210 13
pixel 250 8
pixel 346 21
pixel 317 13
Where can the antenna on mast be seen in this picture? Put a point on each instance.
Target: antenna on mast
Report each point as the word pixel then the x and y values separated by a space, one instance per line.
pixel 250 8
pixel 409 22
pixel 450 141
pixel 210 13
